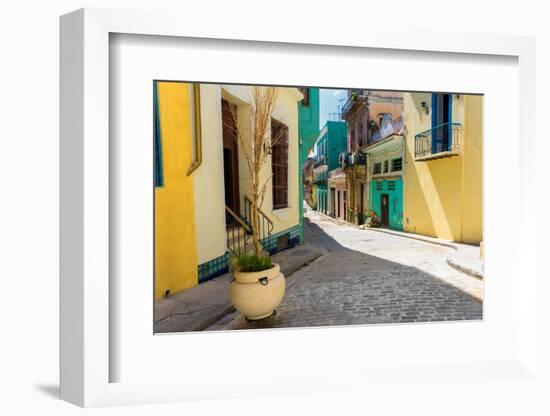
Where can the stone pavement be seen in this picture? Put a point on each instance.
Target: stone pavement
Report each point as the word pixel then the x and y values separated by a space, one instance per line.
pixel 203 305
pixel 367 277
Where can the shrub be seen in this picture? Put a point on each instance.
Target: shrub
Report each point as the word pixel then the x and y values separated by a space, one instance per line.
pixel 252 263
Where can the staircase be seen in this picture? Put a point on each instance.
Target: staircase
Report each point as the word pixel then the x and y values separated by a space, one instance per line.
pixel 239 228
pixel 239 233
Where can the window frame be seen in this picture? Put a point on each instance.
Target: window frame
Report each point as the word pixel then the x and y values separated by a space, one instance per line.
pixel 279 167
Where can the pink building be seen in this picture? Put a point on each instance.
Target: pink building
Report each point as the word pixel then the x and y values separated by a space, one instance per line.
pixel 338 206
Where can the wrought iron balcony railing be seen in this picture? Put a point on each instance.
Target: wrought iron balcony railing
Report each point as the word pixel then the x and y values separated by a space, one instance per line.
pixel 352 100
pixel 321 161
pixel 440 141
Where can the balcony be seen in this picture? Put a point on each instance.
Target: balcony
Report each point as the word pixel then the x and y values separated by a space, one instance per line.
pixel 441 141
pixel 350 104
pixel 352 159
pixel 322 160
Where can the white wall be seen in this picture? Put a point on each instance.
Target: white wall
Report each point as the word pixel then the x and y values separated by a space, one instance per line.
pixel 29 209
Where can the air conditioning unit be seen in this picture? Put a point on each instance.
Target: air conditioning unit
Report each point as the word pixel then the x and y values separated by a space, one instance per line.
pixel 342 159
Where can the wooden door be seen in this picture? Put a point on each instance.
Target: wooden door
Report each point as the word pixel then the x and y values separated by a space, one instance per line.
pixel 230 157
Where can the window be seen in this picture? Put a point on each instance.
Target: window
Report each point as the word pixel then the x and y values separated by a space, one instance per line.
pixel 386 166
pixel 397 164
pixel 391 185
pixel 159 178
pixel 279 164
pixel 377 168
pixel 378 186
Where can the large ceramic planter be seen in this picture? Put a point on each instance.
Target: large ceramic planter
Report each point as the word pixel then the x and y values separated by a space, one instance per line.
pixel 257 294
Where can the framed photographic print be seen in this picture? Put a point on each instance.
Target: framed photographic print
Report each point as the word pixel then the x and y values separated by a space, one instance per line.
pixel 285 213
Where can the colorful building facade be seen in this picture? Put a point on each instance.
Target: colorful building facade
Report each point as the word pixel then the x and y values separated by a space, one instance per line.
pixel 328 147
pixel 368 114
pixel 308 131
pixel 443 169
pixel 337 186
pixel 385 177
pixel 202 182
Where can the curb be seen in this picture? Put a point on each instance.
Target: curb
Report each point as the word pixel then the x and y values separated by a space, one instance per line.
pixel 463 269
pixel 415 237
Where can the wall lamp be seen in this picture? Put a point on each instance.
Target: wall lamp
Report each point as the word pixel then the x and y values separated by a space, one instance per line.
pixel 425 107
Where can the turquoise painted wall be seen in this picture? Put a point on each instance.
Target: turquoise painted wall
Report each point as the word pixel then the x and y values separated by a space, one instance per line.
pixel 308 131
pixel 394 189
pixel 308 123
pixel 322 199
pixel 336 139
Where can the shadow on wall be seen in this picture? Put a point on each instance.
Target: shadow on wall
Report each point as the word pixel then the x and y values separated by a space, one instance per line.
pixel 446 177
pixel 419 218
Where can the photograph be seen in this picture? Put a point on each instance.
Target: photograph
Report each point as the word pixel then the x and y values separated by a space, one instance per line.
pixel 297 207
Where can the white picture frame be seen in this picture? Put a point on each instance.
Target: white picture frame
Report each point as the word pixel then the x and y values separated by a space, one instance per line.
pixel 86 263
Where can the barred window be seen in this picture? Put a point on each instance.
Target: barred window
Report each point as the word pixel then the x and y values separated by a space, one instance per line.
pixel 377 168
pixel 397 164
pixel 279 164
pixel 386 166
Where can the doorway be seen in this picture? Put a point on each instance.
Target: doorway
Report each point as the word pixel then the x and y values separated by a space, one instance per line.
pixel 230 157
pixel 333 202
pixel 384 210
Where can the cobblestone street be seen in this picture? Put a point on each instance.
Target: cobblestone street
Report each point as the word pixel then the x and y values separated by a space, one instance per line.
pixel 370 277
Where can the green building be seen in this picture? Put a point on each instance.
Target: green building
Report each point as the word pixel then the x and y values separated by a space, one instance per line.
pixel 331 142
pixel 308 131
pixel 385 176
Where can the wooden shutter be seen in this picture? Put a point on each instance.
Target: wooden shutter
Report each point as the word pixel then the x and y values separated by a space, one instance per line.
pixel 279 164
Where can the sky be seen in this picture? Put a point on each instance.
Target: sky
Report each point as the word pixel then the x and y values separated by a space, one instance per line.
pixel 330 100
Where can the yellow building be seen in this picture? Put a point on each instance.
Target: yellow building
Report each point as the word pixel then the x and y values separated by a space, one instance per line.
pixel 201 181
pixel 443 166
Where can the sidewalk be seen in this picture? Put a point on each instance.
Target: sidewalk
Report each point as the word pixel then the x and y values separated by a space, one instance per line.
pixel 201 306
pixel 464 257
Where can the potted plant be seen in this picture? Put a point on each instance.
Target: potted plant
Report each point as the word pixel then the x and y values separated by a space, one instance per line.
pixel 258 286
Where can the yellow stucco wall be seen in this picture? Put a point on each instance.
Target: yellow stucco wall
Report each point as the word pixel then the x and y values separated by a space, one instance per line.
pixel 443 197
pixel 190 210
pixel 175 234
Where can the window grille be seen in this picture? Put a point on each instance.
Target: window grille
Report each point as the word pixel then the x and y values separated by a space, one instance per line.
pixel 397 164
pixel 279 164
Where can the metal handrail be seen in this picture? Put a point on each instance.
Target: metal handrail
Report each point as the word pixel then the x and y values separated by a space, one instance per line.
pixel 265 221
pixel 237 234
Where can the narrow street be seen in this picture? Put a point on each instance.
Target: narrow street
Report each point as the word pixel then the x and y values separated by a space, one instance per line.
pixel 369 277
